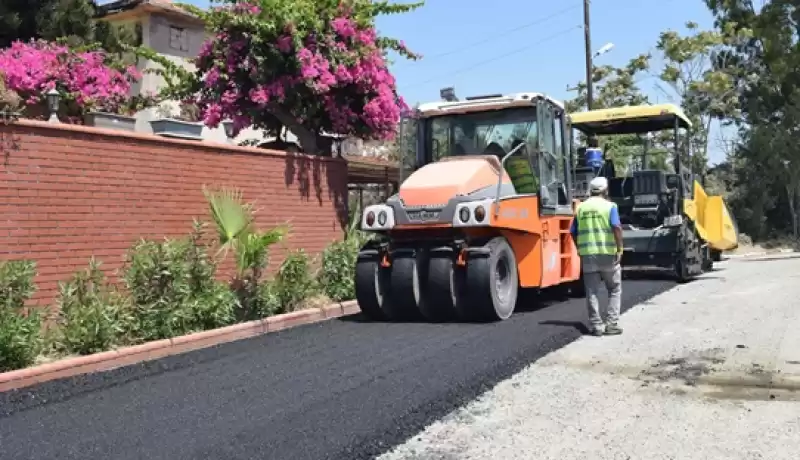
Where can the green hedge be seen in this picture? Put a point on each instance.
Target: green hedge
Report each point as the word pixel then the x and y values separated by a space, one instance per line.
pixel 169 288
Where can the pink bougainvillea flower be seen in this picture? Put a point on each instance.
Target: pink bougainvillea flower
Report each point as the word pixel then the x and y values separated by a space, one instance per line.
pixel 33 68
pixel 333 78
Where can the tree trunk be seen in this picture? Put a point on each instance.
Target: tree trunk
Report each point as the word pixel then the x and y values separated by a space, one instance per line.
pixel 705 146
pixel 791 195
pixel 306 137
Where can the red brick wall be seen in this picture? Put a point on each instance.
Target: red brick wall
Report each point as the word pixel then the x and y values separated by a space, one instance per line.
pixel 68 193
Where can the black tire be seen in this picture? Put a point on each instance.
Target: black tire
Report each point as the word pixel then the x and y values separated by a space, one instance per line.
pixel 442 287
pixel 708 261
pixel 406 286
pixel 492 282
pixel 716 255
pixel 371 285
pixel 681 270
pixel 683 267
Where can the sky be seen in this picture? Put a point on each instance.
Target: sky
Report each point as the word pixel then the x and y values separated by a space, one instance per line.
pixel 536 45
pixel 510 46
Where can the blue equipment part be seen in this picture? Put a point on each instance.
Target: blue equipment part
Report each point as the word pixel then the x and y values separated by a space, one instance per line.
pixel 594 158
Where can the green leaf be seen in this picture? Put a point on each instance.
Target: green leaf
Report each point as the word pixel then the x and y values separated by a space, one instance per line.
pixel 232 216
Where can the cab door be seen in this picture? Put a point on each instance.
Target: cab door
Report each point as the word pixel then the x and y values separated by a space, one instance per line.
pixel 411 146
pixel 548 161
pixel 553 161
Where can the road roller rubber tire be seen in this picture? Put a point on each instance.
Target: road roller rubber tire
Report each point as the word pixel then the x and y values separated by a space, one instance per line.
pixel 408 273
pixel 492 282
pixel 441 293
pixel 371 285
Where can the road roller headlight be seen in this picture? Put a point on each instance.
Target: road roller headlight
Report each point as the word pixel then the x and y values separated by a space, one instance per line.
pixel 472 214
pixel 480 213
pixel 378 217
pixel 463 215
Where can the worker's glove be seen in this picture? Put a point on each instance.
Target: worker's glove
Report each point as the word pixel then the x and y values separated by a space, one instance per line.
pixel 618 258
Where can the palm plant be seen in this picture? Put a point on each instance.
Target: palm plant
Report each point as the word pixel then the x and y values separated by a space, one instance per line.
pixel 235 221
pixel 235 224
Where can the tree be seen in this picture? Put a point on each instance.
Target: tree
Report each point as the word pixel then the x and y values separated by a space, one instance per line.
pixel 696 71
pixel 616 87
pixel 613 86
pixel 19 19
pixel 70 21
pixel 770 124
pixel 313 66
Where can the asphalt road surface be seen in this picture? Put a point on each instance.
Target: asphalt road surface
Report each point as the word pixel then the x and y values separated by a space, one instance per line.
pixel 342 389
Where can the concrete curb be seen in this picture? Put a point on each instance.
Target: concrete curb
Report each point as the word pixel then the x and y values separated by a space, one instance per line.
pixel 757 254
pixel 112 359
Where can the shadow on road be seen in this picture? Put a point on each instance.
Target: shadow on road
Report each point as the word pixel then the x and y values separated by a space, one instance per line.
pixel 356 318
pixel 529 300
pixel 652 274
pixel 662 275
pixel 577 325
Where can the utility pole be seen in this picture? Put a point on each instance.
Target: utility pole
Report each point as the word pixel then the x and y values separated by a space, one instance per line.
pixel 587 37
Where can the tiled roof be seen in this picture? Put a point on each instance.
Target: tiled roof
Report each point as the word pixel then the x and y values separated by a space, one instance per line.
pixel 126 5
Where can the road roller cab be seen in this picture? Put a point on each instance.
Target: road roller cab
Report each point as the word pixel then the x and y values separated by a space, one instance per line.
pixel 483 210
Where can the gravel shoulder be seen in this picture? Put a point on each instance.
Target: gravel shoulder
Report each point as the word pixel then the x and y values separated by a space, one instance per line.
pixel 707 370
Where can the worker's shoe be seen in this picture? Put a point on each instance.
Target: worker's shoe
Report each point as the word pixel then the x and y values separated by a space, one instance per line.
pixel 596 331
pixel 613 329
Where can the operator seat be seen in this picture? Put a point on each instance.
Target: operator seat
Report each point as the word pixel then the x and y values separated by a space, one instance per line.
pixel 515 144
pixel 495 149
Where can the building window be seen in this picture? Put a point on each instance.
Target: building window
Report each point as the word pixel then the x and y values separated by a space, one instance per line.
pixel 178 38
pixel 138 32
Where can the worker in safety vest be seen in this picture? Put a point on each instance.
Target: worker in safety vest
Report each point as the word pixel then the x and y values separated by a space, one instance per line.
pixel 598 234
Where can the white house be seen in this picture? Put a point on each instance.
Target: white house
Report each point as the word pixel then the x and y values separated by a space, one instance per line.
pixel 174 33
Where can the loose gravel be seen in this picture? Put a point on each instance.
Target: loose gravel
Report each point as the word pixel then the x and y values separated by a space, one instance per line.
pixel 708 370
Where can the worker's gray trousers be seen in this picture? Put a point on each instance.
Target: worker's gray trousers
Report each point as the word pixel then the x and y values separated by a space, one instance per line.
pixel 599 272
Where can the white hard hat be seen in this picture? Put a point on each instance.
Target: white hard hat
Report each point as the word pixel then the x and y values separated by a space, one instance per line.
pixel 598 184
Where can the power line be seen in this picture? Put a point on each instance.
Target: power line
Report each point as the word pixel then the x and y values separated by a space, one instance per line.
pixel 496 58
pixel 503 34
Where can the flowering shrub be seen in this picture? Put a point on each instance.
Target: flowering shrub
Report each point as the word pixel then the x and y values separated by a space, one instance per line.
pixel 83 77
pixel 313 66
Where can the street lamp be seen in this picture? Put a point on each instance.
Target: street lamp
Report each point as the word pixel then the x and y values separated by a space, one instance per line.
pixel 53 101
pixel 227 125
pixel 604 49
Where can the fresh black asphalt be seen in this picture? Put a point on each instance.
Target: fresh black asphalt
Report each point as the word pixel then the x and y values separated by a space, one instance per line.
pixel 344 389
